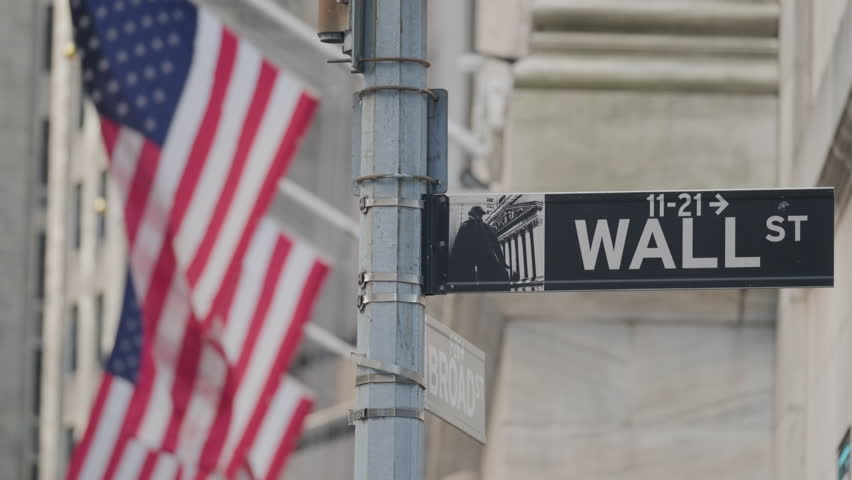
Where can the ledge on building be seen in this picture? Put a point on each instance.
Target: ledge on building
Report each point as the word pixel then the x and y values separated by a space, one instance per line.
pixel 647 73
pixel 660 16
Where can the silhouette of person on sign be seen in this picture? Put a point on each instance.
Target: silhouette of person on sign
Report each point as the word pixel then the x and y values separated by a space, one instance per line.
pixel 476 255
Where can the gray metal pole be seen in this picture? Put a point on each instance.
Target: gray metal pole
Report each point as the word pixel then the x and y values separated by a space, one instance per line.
pixel 393 141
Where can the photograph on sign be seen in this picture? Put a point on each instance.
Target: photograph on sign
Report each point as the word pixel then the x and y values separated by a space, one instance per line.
pixel 633 241
pixel 497 242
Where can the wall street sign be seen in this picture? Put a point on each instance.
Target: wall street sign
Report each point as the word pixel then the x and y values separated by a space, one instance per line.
pixel 629 240
pixel 455 379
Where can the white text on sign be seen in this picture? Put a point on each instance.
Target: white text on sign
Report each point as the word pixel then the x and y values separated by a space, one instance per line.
pixel 653 244
pixel 455 379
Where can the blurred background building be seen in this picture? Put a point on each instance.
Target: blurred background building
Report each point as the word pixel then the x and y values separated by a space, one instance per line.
pixel 563 95
pixel 25 67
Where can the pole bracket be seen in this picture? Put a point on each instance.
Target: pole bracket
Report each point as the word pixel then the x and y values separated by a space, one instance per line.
pixel 395 176
pixel 382 378
pixel 398 88
pixel 369 277
pixel 397 59
pixel 367 413
pixel 368 203
pixel 364 300
pixel 410 376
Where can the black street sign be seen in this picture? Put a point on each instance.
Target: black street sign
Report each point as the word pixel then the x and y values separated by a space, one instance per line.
pixel 629 240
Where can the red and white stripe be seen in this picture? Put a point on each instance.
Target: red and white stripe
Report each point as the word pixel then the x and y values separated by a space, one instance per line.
pixel 289 408
pixel 262 348
pixel 280 429
pixel 223 294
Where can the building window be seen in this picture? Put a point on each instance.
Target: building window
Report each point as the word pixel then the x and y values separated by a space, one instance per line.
pixel 34 438
pixel 40 260
pixel 37 382
pixel 99 327
pixel 81 102
pixel 77 234
pixel 71 340
pixel 44 154
pixel 69 443
pixel 47 48
pixel 38 323
pixel 101 204
pixel 843 458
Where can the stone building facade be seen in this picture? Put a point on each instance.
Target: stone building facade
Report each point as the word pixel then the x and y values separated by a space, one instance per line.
pixel 618 94
pixel 85 257
pixel 813 413
pixel 25 74
pixel 624 95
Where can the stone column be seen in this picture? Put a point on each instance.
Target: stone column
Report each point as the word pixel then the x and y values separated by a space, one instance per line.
pixel 523 235
pixel 509 251
pixel 532 252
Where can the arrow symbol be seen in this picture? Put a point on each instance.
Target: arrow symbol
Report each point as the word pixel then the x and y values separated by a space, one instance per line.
pixel 721 205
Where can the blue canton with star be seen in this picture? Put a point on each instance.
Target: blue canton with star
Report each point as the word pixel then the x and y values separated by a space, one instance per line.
pixel 126 355
pixel 136 56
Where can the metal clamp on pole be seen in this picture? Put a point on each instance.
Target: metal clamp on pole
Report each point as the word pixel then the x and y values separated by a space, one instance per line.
pixel 381 378
pixel 397 59
pixel 369 277
pixel 398 88
pixel 410 376
pixel 368 203
pixel 395 176
pixel 365 413
pixel 364 300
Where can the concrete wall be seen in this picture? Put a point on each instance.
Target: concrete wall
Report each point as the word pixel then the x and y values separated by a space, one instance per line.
pixel 635 95
pixel 569 140
pixel 814 388
pixel 814 358
pixel 21 101
pixel 76 277
pixel 628 95
pixel 634 401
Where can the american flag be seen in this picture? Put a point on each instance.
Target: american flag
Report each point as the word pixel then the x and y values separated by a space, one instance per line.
pixel 198 127
pixel 291 404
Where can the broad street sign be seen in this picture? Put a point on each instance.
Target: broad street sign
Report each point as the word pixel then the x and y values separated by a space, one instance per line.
pixel 629 240
pixel 455 379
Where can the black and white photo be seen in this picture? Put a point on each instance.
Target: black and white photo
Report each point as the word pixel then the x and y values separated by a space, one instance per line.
pixel 496 242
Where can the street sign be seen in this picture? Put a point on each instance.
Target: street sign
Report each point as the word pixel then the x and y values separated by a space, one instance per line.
pixel 455 379
pixel 629 240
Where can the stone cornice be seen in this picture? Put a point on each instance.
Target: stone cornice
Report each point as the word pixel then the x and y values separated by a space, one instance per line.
pixel 643 73
pixel 660 45
pixel 658 16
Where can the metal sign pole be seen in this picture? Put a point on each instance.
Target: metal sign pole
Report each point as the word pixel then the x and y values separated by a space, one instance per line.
pixel 392 145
